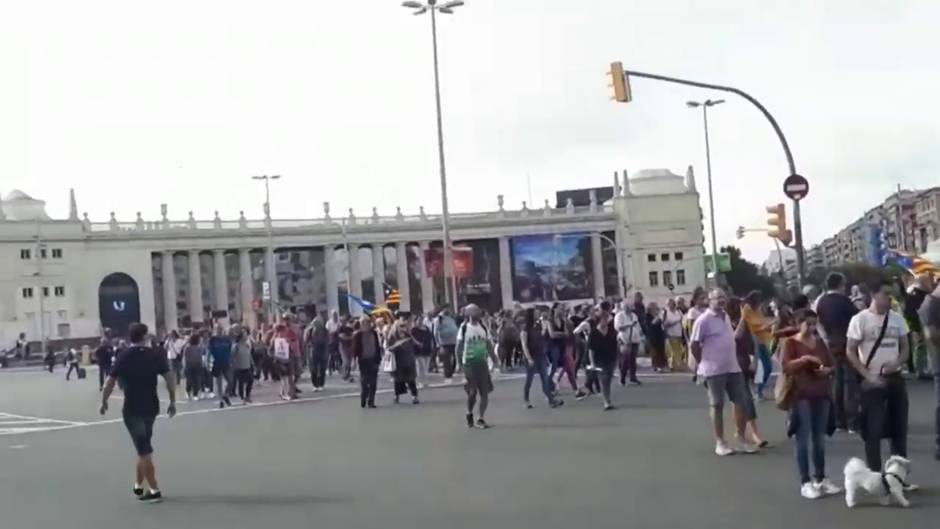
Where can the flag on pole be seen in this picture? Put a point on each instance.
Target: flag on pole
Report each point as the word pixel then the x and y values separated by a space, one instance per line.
pixel 914 263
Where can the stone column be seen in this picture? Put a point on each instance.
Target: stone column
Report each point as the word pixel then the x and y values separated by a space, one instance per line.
pixel 220 281
pixel 246 287
pixel 403 282
pixel 355 279
pixel 270 275
pixel 427 282
pixel 195 288
pixel 378 273
pixel 505 272
pixel 170 316
pixel 597 265
pixel 329 273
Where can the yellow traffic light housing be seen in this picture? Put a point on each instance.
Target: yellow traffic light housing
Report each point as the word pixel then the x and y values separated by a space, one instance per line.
pixel 778 224
pixel 620 83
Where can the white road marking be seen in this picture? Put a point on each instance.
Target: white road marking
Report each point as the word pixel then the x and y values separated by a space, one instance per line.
pixel 17 447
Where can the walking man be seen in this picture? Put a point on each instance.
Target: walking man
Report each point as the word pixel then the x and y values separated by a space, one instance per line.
pixel 317 342
pixel 445 334
pixel 367 350
pixel 835 311
pixel 877 348
pixel 220 349
pixel 104 354
pixel 137 368
pixel 475 347
pixel 930 318
pixel 629 336
pixel 712 343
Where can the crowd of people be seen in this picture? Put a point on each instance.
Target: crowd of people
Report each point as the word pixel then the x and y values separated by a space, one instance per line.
pixel 840 358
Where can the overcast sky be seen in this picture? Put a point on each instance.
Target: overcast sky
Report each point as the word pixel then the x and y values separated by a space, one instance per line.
pixel 139 103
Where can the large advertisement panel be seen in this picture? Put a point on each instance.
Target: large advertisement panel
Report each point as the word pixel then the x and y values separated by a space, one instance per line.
pixel 551 267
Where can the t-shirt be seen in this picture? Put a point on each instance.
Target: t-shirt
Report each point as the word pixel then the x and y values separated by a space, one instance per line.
pixel 757 325
pixel 220 348
pixel 369 344
pixel 345 333
pixel 672 323
pixel 535 341
pixel 104 355
pixel 865 328
pixel 810 384
pixel 241 355
pixel 930 312
pixel 835 311
pixel 192 355
pixel 712 330
pixel 475 340
pixel 137 367
pixel 628 327
pixel 445 330
pixel 174 348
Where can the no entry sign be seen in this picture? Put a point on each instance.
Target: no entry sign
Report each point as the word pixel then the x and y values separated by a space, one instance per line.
pixel 796 187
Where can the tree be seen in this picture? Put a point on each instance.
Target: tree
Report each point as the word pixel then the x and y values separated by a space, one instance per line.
pixel 745 276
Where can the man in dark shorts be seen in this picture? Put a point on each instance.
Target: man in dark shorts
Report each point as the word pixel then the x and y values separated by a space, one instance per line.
pixel 473 348
pixel 137 368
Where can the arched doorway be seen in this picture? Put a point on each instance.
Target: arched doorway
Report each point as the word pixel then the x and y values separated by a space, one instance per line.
pixel 118 302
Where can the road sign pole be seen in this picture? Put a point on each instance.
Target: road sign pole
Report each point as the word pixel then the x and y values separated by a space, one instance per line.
pixel 798 240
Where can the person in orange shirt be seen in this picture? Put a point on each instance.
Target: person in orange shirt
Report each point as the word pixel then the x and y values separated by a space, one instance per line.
pixel 761 331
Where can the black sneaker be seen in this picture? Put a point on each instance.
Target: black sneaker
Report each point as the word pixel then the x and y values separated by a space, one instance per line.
pixel 528 406
pixel 635 382
pixel 580 395
pixel 557 403
pixel 608 406
pixel 228 401
pixel 481 424
pixel 153 496
pixel 469 420
pixel 138 491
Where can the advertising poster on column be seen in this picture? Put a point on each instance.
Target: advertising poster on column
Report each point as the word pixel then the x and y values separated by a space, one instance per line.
pixel 551 267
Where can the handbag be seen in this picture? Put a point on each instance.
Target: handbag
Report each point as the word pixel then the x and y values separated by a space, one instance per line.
pixel 388 362
pixel 784 391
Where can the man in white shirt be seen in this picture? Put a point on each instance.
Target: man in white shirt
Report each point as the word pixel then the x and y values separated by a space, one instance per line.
pixel 174 352
pixel 629 337
pixel 877 348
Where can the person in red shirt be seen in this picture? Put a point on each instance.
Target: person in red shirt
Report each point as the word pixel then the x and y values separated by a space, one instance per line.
pixel 807 360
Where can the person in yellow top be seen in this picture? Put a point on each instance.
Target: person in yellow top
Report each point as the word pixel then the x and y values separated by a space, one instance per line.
pixel 761 331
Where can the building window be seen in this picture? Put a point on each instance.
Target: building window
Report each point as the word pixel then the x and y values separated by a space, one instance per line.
pixel 57 253
pixel 679 256
pixel 62 314
pixel 651 257
pixel 654 279
pixel 45 292
pixel 59 292
pixel 667 279
pixel 664 257
pixel 42 253
pixel 680 277
pixel 26 254
pixel 28 293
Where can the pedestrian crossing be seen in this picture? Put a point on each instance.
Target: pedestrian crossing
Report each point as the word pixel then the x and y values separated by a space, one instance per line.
pixel 11 424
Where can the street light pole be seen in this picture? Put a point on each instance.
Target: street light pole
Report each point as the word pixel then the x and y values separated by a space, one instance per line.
pixel 450 279
pixel 272 281
pixel 708 165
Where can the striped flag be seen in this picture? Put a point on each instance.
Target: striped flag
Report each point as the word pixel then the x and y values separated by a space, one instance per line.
pixel 914 263
pixel 392 297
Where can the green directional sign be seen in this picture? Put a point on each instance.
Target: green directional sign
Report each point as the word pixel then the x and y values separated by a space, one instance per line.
pixel 724 263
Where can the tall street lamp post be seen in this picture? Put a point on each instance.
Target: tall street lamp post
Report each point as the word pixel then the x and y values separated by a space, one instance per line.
pixel 270 270
pixel 708 165
pixel 447 8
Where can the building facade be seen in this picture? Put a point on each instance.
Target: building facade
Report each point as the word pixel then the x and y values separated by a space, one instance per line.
pixel 70 278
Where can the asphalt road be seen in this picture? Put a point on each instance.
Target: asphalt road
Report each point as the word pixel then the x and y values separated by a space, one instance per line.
pixel 326 463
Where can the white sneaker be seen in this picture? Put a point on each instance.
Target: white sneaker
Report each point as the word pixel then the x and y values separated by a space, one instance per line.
pixel 826 487
pixel 809 491
pixel 211 394
pixel 747 448
pixel 448 380
pixel 722 449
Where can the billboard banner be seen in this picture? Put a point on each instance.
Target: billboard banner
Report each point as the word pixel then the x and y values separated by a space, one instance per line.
pixel 463 262
pixel 551 267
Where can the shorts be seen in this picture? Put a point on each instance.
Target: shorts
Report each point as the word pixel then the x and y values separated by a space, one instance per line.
pixel 219 369
pixel 477 379
pixel 731 384
pixel 283 367
pixel 141 429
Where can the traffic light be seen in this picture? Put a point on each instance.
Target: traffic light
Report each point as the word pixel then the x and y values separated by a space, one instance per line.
pixel 778 223
pixel 620 83
pixel 740 232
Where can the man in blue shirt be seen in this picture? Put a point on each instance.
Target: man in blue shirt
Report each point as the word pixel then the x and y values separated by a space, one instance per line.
pixel 220 350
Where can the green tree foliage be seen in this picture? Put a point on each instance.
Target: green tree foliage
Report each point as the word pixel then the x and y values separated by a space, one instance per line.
pixel 745 276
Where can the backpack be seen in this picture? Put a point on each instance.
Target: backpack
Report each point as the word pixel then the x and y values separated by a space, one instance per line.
pixel 447 330
pixel 281 348
pixel 317 334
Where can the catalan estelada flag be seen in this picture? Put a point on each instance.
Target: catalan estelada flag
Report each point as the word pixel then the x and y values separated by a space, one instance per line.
pixel 392 297
pixel 914 263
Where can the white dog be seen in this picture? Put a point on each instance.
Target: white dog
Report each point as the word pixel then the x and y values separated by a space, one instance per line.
pixel 887 484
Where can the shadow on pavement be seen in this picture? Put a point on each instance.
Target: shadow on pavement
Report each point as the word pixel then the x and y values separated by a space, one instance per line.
pixel 248 499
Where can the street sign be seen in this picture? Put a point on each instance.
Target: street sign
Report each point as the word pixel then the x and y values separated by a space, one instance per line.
pixel 724 263
pixel 796 187
pixel 266 291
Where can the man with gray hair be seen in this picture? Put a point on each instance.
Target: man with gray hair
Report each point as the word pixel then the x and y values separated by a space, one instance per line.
pixel 930 318
pixel 712 343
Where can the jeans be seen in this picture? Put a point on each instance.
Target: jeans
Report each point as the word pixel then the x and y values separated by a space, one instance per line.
pixel 319 359
pixel 448 359
pixel 421 365
pixel 845 393
pixel 368 380
pixel 884 414
pixel 244 381
pixel 103 371
pixel 812 416
pixel 538 367
pixel 628 362
pixel 607 376
pixel 69 372
pixel 767 366
pixel 194 380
